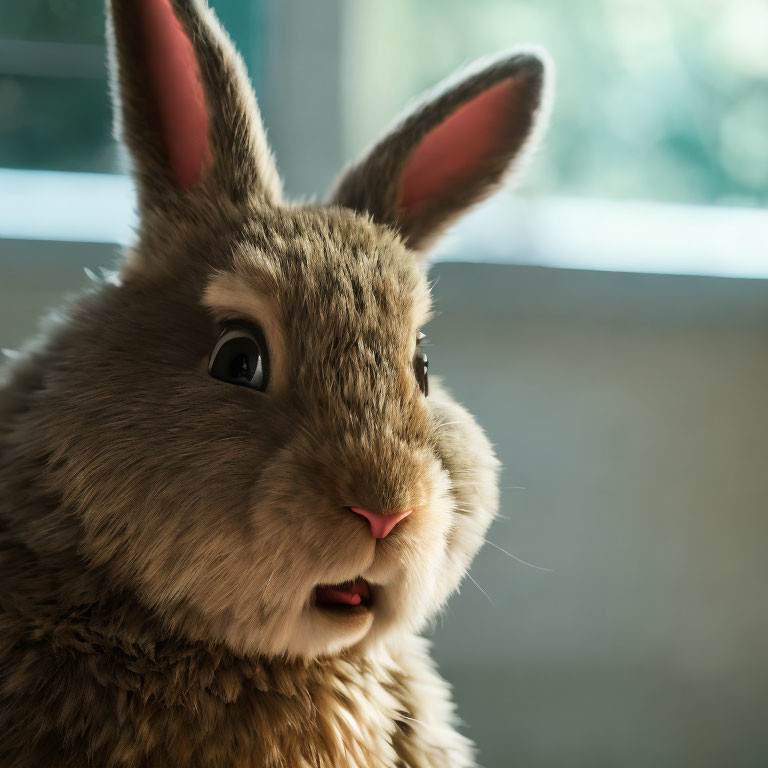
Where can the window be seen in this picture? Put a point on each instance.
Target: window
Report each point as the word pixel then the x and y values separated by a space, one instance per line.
pixel 53 82
pixel 663 100
pixel 656 159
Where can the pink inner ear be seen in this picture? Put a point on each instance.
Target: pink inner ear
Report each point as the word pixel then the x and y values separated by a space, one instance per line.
pixel 178 90
pixel 453 153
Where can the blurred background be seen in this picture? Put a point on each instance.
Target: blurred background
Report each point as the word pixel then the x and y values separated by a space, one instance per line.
pixel 607 320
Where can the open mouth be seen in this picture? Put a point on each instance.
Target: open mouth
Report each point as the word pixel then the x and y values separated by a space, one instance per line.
pixel 348 596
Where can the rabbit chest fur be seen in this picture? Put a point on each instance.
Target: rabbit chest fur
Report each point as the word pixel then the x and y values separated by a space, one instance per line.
pixel 116 695
pixel 231 498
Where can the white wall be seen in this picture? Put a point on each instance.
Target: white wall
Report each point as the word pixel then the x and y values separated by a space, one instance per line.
pixel 633 410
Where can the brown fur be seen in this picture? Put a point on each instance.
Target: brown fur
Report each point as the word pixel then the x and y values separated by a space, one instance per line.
pixel 161 531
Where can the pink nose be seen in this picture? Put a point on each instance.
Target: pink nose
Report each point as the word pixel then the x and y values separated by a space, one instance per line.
pixel 381 525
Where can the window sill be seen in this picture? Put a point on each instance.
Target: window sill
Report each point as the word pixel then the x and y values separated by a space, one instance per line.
pixel 551 232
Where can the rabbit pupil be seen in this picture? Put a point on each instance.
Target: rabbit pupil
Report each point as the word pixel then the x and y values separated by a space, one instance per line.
pixel 240 367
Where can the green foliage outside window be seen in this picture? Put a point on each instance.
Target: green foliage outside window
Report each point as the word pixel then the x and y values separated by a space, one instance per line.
pixel 655 99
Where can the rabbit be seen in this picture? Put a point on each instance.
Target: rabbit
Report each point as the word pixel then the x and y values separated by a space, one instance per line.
pixel 231 496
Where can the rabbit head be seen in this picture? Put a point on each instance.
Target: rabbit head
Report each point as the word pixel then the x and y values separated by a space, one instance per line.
pixel 241 428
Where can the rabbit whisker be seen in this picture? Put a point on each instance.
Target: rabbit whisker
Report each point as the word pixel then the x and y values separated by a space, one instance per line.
pixel 519 559
pixel 469 576
pixel 401 716
pixel 472 511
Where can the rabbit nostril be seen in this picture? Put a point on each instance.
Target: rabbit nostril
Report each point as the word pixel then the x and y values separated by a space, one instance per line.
pixel 381 524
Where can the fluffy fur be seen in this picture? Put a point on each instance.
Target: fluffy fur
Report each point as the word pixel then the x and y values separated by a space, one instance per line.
pixel 162 532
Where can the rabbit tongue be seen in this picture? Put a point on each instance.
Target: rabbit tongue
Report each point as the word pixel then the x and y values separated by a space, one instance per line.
pixel 350 593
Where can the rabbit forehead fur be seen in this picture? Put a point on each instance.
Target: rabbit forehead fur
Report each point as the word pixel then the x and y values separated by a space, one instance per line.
pixel 224 507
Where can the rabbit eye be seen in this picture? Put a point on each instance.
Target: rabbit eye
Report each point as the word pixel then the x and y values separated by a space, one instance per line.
pixel 421 367
pixel 240 357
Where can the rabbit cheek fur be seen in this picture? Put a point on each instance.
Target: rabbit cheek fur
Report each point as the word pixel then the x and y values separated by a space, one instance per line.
pixel 162 532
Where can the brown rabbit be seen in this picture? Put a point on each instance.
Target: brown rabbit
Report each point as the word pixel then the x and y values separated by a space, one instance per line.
pixel 229 501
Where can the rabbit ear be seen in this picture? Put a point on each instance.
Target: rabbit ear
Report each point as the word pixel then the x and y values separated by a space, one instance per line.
pixel 183 103
pixel 450 151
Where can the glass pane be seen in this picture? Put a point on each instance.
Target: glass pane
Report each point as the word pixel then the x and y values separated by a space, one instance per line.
pixel 656 99
pixel 54 98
